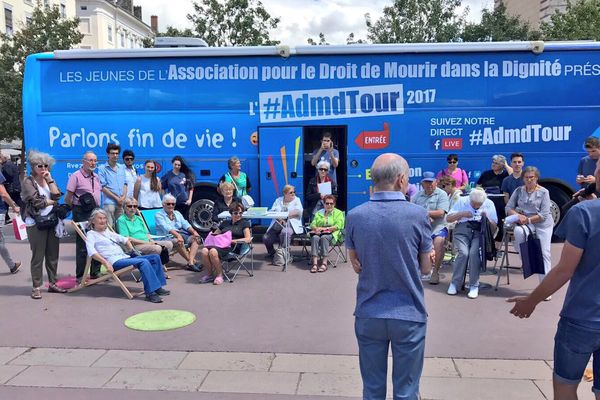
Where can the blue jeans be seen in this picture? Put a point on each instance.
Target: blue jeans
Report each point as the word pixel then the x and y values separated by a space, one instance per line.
pixel 150 268
pixel 573 346
pixel 407 338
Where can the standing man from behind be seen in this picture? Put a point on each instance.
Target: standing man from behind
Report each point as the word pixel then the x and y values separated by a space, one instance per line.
pixel 587 164
pixel 389 258
pixel 436 202
pixel 130 172
pixel 327 153
pixel 114 184
pixel 578 332
pixel 83 194
pixel 514 180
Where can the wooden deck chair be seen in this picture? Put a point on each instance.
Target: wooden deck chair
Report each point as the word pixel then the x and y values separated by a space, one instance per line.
pixel 115 276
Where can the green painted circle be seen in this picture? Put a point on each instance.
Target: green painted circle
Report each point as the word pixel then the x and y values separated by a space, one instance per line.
pixel 160 320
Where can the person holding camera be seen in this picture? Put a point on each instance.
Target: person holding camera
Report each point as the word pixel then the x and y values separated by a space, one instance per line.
pixel 327 153
pixel 40 195
pixel 83 194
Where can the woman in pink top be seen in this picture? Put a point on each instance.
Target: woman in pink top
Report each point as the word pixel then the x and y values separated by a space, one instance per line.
pixel 459 175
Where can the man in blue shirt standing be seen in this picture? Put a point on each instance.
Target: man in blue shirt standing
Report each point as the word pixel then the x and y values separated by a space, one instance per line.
pixel 578 332
pixel 327 153
pixel 390 247
pixel 587 164
pixel 514 180
pixel 114 184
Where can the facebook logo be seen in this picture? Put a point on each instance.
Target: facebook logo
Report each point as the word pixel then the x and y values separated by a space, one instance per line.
pixel 436 144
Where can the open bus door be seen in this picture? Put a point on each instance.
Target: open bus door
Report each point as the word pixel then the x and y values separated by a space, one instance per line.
pixel 280 151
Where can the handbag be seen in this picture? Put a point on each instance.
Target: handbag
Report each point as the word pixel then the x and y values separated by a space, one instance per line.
pixel 221 241
pixel 531 254
pixel 19 228
pixel 46 222
pixel 87 202
pixel 164 255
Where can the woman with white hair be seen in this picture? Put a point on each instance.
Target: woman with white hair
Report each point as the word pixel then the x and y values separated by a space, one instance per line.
pixel 40 194
pixel 170 223
pixel 316 191
pixel 531 204
pixel 104 246
pixel 467 213
pixel 236 177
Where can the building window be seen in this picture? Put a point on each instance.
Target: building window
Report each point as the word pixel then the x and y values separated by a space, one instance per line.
pixel 63 10
pixel 28 18
pixel 46 3
pixel 84 25
pixel 83 8
pixel 8 20
pixel 110 34
pixel 122 40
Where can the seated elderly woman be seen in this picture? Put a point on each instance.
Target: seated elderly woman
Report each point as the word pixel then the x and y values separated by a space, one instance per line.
pixel 132 226
pixel 223 202
pixel 467 212
pixel 326 229
pixel 316 186
pixel 104 246
pixel 531 204
pixel 278 230
pixel 241 237
pixel 170 223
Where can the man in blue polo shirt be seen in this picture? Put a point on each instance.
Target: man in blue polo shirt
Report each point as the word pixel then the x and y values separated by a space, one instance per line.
pixel 578 332
pixel 114 184
pixel 389 246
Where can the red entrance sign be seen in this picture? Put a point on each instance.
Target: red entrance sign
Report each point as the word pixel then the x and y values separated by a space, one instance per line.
pixel 374 140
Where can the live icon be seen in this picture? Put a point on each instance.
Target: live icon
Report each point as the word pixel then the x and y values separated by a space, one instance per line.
pixel 451 144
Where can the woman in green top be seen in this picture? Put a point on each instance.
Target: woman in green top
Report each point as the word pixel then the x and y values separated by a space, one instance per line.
pixel 236 177
pixel 326 229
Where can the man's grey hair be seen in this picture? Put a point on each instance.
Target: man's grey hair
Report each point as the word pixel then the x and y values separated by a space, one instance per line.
pixel 477 196
pixel 93 216
pixel 388 172
pixel 323 164
pixel 533 169
pixel 88 152
pixel 35 157
pixel 169 198
pixel 499 158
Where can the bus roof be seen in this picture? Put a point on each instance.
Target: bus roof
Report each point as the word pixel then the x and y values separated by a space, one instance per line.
pixel 286 51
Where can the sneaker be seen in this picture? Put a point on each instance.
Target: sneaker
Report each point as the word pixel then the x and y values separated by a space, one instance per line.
pixel 194 268
pixel 218 280
pixel 153 298
pixel 435 278
pixel 162 292
pixel 452 290
pixel 425 278
pixel 473 293
pixel 15 268
pixel 36 293
pixel 207 279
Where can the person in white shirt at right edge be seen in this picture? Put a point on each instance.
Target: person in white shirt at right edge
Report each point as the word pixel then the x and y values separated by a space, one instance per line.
pixel 467 212
pixel 530 203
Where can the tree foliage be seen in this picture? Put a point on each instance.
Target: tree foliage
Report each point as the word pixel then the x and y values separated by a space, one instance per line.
pixel 417 21
pixel 233 22
pixel 322 41
pixel 170 32
pixel 46 31
pixel 495 26
pixel 580 21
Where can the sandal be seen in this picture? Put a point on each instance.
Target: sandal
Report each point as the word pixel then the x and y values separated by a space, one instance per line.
pixel 314 269
pixel 322 268
pixel 36 293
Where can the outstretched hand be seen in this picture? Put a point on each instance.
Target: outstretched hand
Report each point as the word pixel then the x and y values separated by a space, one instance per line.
pixel 523 307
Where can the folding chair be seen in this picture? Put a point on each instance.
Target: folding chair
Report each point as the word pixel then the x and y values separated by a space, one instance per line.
pixel 339 251
pixel 235 262
pixel 148 217
pixel 115 275
pixel 507 239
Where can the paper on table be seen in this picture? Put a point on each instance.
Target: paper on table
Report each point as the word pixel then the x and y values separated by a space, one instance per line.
pixel 324 188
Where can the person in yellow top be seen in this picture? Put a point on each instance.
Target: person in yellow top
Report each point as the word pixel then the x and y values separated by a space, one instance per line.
pixel 326 229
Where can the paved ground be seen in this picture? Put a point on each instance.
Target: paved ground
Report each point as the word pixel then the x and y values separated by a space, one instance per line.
pixel 273 336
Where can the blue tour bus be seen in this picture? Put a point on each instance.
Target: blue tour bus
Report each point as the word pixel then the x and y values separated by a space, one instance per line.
pixel 270 105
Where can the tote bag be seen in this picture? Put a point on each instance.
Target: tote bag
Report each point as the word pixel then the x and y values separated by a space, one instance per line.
pixel 531 254
pixel 221 241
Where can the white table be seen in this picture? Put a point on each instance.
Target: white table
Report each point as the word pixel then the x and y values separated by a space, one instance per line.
pixel 277 216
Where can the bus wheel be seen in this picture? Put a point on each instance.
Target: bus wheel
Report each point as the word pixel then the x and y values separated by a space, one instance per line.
pixel 558 198
pixel 201 215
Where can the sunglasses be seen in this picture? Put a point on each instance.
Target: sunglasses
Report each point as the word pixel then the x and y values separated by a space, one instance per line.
pixel 323 169
pixel 236 213
pixel 291 193
pixel 131 206
pixel 328 204
pixel 169 204
pixel 128 159
pixel 453 162
pixel 42 165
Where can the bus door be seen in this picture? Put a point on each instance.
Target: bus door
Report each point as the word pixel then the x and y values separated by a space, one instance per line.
pixel 280 152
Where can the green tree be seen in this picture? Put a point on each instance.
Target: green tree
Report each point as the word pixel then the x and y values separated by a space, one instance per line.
pixel 351 40
pixel 170 32
pixel 46 31
pixel 322 41
pixel 233 22
pixel 495 26
pixel 417 21
pixel 580 21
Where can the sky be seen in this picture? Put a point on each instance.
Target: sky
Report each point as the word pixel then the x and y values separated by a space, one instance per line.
pixel 300 19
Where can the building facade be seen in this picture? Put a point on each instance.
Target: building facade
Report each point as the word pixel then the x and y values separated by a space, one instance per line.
pixel 16 13
pixel 533 11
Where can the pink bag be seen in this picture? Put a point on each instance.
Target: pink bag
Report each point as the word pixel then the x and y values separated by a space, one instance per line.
pixel 221 241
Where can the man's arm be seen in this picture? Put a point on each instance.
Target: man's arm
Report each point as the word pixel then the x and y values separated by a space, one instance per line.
pixel 356 265
pixel 316 156
pixel 335 161
pixel 558 276
pixel 110 194
pixel 425 261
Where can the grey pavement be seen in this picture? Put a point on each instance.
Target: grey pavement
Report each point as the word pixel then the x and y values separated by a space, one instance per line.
pixel 277 335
